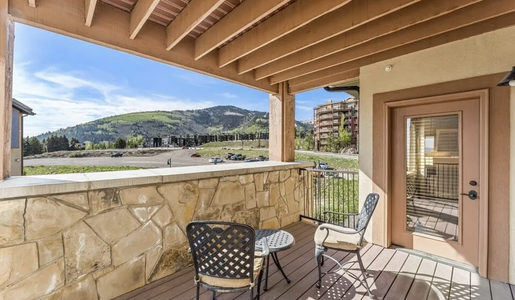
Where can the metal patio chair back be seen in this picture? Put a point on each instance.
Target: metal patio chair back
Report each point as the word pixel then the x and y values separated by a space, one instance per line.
pixel 223 256
pixel 331 236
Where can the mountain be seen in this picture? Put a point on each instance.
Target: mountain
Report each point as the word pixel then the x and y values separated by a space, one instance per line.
pixel 213 120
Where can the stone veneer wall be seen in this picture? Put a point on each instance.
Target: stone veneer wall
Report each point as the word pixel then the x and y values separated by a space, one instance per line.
pixel 103 243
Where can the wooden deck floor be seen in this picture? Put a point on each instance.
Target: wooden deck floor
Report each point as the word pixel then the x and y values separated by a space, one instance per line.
pixel 394 274
pixel 434 217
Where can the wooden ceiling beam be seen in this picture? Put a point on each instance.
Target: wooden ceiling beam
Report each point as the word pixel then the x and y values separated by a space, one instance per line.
pixel 32 3
pixel 140 14
pixel 338 78
pixel 350 16
pixel 234 23
pixel 192 15
pixel 287 20
pixel 111 30
pixel 444 38
pixel 412 15
pixel 478 12
pixel 90 6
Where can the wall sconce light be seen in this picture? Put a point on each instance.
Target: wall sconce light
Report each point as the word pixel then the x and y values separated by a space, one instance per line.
pixel 509 80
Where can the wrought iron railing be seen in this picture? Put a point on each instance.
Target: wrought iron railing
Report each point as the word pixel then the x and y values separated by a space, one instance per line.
pixel 330 195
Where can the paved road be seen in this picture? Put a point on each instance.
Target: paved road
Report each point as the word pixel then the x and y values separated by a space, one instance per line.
pixel 180 158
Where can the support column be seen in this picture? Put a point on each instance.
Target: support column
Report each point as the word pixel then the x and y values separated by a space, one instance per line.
pixel 282 125
pixel 6 75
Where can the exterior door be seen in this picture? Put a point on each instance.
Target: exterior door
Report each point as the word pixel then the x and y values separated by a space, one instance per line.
pixel 436 178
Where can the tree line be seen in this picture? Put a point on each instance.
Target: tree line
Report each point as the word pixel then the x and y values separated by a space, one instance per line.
pixel 32 145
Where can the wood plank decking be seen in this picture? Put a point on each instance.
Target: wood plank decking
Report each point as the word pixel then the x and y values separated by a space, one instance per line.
pixel 394 274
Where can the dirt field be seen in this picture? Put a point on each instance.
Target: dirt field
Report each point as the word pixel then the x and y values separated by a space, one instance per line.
pixel 180 158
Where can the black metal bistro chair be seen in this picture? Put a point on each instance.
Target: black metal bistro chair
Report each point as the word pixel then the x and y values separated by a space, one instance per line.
pixel 224 257
pixel 330 236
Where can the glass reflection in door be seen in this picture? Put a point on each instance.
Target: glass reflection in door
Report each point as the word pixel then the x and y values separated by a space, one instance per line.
pixel 432 176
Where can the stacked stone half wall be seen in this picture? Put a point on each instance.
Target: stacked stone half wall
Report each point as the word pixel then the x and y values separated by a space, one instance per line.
pixel 100 244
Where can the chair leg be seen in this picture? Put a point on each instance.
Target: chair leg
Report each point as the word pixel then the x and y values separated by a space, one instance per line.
pixel 364 273
pixel 252 294
pixel 214 295
pixel 198 291
pixel 319 251
pixel 323 260
pixel 260 277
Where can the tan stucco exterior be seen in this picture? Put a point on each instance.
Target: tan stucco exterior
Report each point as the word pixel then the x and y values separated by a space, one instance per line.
pixel 490 53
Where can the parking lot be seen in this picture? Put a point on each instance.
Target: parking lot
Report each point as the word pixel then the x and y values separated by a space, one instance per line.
pixel 178 158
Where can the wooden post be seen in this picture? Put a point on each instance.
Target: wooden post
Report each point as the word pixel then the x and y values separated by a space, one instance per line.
pixel 282 125
pixel 6 75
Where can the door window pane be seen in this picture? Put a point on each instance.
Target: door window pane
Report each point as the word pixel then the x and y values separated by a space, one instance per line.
pixel 432 175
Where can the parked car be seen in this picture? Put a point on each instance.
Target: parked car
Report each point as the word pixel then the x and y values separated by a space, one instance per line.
pixel 117 154
pixel 262 158
pixel 195 155
pixel 216 160
pixel 238 157
pixel 229 155
pixel 323 166
pixel 252 160
pixel 185 147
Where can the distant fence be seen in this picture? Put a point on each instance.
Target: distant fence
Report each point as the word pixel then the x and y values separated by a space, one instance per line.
pixel 196 140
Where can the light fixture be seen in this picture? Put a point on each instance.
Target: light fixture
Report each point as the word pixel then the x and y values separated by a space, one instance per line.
pixel 388 68
pixel 509 80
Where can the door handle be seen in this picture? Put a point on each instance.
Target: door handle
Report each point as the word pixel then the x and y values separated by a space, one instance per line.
pixel 471 194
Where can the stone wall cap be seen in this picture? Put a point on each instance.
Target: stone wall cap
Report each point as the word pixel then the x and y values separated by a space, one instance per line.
pixel 30 186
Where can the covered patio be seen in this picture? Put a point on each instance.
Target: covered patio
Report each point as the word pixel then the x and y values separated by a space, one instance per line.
pixel 394 274
pixel 123 234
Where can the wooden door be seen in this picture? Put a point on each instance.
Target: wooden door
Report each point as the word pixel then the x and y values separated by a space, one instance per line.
pixel 436 178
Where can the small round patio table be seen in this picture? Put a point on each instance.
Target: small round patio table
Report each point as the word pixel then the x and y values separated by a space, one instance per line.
pixel 277 240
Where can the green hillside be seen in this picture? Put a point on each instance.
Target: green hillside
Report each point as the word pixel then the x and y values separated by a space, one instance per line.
pixel 213 120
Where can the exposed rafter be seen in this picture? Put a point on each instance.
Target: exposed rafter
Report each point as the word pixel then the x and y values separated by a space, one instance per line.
pixel 469 15
pixel 350 16
pixel 140 15
pixel 346 76
pixel 66 17
pixel 90 10
pixel 289 19
pixel 458 34
pixel 412 15
pixel 194 13
pixel 32 3
pixel 241 18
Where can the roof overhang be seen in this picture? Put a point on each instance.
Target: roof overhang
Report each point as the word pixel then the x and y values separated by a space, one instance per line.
pixel 308 44
pixel 24 109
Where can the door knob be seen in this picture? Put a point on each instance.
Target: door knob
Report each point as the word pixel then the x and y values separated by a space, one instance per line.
pixel 471 194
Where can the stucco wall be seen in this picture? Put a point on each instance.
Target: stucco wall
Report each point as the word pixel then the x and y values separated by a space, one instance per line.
pixel 101 243
pixel 485 54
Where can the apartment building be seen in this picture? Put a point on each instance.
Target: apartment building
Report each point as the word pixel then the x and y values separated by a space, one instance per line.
pixel 327 119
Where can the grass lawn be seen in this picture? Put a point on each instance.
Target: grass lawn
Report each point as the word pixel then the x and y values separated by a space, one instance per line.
pixel 46 170
pixel 334 162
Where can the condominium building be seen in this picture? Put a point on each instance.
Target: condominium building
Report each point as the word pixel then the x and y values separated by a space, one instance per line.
pixel 328 118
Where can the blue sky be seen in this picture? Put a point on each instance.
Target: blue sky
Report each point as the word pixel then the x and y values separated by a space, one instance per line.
pixel 68 81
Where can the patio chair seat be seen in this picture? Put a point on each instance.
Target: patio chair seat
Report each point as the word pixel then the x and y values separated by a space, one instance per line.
pixel 231 282
pixel 336 240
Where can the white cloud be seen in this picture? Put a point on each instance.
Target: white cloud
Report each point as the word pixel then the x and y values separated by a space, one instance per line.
pixel 59 100
pixel 229 95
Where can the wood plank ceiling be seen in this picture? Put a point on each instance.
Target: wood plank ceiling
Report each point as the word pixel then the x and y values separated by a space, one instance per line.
pixel 260 43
